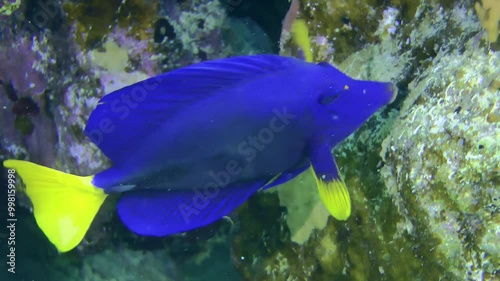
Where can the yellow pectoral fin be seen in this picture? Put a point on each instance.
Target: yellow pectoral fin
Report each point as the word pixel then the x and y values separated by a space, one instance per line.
pixel 335 197
pixel 64 205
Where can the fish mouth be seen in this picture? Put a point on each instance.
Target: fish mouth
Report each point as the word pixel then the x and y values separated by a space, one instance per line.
pixel 391 88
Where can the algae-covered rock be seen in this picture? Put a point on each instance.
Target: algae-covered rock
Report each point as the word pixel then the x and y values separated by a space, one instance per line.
pixel 371 245
pixel 95 19
pixel 442 160
pixel 347 26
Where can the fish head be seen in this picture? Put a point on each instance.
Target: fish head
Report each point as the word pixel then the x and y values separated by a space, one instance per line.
pixel 347 103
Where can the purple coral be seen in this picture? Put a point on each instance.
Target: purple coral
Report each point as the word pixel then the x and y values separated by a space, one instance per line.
pixel 23 65
pixel 17 67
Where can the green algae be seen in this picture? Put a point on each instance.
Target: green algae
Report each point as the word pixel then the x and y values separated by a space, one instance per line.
pixel 95 19
pixel 9 7
pixel 349 24
pixel 352 24
pixel 373 245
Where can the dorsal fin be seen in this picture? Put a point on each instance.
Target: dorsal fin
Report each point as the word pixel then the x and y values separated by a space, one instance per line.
pixel 123 118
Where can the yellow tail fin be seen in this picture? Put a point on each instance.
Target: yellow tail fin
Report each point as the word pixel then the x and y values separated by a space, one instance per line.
pixel 64 205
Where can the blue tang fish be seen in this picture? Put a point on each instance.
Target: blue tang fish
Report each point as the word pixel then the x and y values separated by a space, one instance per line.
pixel 191 145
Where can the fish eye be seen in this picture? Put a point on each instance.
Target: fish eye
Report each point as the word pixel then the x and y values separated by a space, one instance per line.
pixel 328 98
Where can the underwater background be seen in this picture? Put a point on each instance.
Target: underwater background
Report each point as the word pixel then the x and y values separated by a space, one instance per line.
pixel 423 173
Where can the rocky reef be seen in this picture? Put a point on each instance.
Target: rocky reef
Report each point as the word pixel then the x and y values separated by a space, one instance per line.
pixel 423 174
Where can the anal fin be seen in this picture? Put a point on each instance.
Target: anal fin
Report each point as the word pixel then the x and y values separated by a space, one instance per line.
pixel 162 212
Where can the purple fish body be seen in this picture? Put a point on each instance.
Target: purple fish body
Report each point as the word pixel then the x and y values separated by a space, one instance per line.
pixel 190 146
